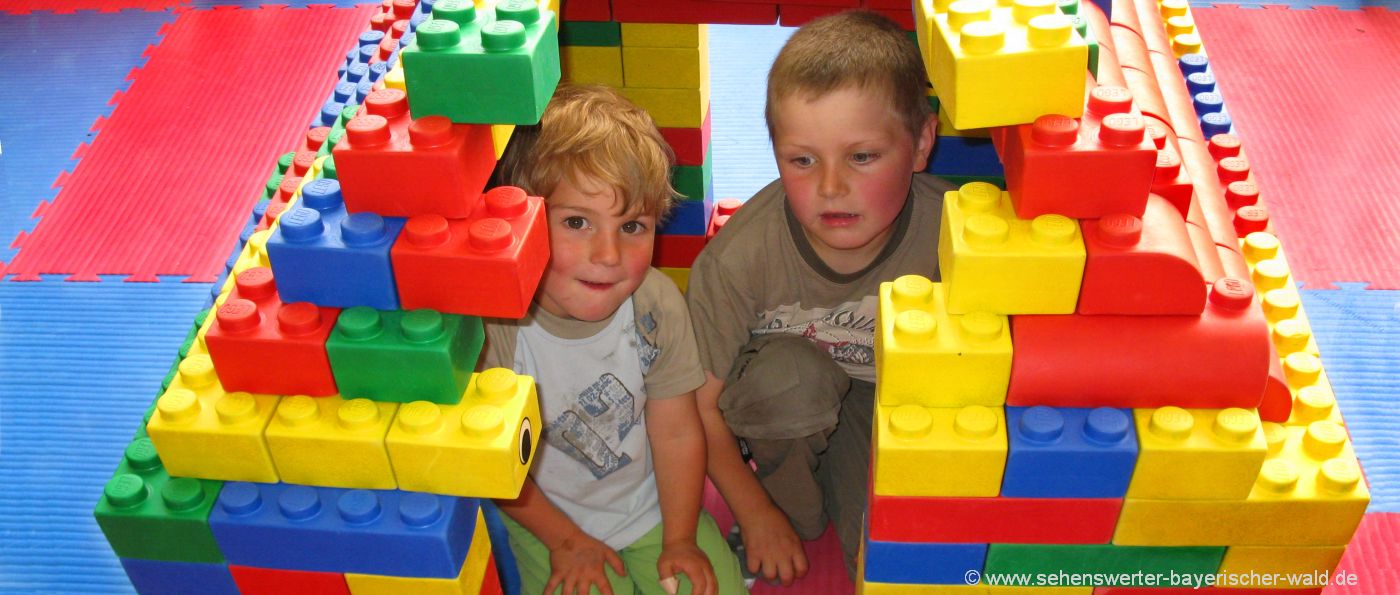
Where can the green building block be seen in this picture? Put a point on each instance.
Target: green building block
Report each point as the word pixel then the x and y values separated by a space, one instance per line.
pixel 1082 26
pixel 284 162
pixel 399 356
pixel 483 67
pixel 273 181
pixel 1069 7
pixel 694 181
pixel 328 167
pixel 147 514
pixel 591 33
pixel 1102 560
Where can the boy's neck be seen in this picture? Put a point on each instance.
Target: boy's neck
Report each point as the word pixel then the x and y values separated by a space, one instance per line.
pixel 854 260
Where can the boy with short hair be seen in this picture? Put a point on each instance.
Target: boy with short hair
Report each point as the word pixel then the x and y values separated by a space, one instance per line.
pixel 612 503
pixel 785 297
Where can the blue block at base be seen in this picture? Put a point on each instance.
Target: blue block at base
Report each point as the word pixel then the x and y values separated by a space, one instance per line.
pixel 689 218
pixel 964 156
pixel 922 563
pixel 156 577
pixel 506 567
pixel 1069 452
pixel 385 532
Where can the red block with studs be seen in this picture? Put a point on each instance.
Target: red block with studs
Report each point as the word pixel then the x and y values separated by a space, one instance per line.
pixel 1048 161
pixel 390 164
pixel 260 345
pixel 1141 266
pixel 486 265
pixel 1216 360
pixel 724 208
pixel 911 519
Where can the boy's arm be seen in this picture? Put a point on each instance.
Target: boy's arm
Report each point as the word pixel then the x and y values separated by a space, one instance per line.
pixel 576 559
pixel 678 455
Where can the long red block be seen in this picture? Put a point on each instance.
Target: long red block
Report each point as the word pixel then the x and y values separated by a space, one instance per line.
pixel 1216 360
pixel 677 251
pixel 689 144
pixel 1141 266
pixel 393 165
pixel 271 581
pixel 260 345
pixel 1170 180
pixel 993 520
pixel 486 265
pixel 586 10
pixel 694 12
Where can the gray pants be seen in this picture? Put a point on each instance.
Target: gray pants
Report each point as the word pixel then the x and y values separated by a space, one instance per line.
pixel 807 425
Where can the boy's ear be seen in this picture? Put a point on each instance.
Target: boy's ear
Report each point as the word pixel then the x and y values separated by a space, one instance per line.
pixel 923 145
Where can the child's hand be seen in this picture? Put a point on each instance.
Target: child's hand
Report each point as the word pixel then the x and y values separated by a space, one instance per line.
pixel 686 557
pixel 772 547
pixel 577 566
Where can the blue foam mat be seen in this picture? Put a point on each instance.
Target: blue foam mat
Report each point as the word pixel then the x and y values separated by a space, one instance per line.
pixel 80 363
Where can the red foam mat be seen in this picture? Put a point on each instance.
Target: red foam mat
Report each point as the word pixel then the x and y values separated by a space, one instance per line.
pixel 1312 94
pixel 1373 558
pixel 167 183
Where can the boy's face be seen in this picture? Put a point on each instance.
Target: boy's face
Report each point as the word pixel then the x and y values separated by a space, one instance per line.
pixel 598 256
pixel 846 161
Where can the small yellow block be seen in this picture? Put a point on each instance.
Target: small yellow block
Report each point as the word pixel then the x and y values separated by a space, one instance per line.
pixel 672 108
pixel 939 451
pixel 1314 403
pixel 665 68
pixel 467 582
pixel 1246 559
pixel 924 356
pixel 946 128
pixel 394 78
pixel 203 432
pixel 992 261
pixel 254 255
pixel 1197 454
pixel 662 35
pixel 481 447
pixel 681 277
pixel 332 442
pixel 1310 493
pixel 589 64
pixel 500 137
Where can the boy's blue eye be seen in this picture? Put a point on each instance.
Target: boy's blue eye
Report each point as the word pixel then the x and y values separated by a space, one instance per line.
pixel 575 222
pixel 802 161
pixel 864 157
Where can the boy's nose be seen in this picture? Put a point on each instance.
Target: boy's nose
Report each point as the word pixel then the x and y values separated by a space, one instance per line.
pixel 606 249
pixel 831 184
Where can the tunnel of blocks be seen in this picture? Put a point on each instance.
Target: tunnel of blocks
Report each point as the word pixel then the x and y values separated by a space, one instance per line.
pixel 1108 377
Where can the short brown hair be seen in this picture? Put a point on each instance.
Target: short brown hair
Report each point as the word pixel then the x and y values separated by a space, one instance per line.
pixel 593 131
pixel 853 48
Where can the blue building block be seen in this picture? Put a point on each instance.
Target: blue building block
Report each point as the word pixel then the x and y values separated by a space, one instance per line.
pixel 922 563
pixel 157 577
pixel 500 549
pixel 1207 102
pixel 965 156
pixel 1069 452
pixel 1200 82
pixel 1193 63
pixel 386 532
pixel 323 255
pixel 689 218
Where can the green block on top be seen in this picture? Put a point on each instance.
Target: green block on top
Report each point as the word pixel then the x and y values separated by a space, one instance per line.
pixel 402 356
pixel 591 33
pixel 483 66
pixel 1102 559
pixel 1082 26
pixel 694 181
pixel 147 514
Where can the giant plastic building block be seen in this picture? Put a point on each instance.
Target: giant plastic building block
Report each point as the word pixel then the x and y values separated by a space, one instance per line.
pixel 1281 561
pixel 1216 360
pixel 488 265
pixel 673 108
pixel 260 344
pixel 389 532
pixel 493 431
pixel 691 145
pixel 589 33
pixel 273 581
pixel 1048 160
pixel 1068 453
pixel 995 66
pixel 1141 266
pixel 921 563
pixel 324 255
pixel 1288 325
pixel 664 35
pixel 470 578
pixel 689 217
pixel 992 261
pixel 967 445
pixel 1008 558
pixel 145 513
pixel 925 356
pixel 695 182
pixel 677 251
pixel 681 277
pixel 582 64
pixel 202 431
pixel 1001 519
pixel 694 12
pixel 402 356
pixel 964 156
pixel 868 587
pixel 159 576
pixel 332 442
pixel 1197 454
pixel 666 67
pixel 1309 492
pixel 723 210
pixel 508 58
pixel 393 165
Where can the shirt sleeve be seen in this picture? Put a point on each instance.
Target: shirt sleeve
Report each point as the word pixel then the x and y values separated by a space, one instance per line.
pixel 498 351
pixel 664 321
pixel 721 310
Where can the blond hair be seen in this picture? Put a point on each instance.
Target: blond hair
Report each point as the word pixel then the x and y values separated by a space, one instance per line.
pixel 853 48
pixel 591 131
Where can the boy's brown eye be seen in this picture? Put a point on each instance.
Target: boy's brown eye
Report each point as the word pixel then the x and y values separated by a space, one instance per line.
pixel 575 222
pixel 632 227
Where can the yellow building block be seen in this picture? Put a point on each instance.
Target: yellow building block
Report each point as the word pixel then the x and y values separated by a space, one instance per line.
pixel 332 442
pixel 681 277
pixel 1314 403
pixel 254 255
pixel 1310 493
pixel 203 432
pixel 1197 454
pixel 672 108
pixel 1304 370
pixel 1244 560
pixel 394 79
pixel 663 35
pixel 946 128
pixel 925 356
pixel 666 68
pixel 590 64
pixel 939 451
pixel 467 582
pixel 500 137
pixel 992 261
pixel 997 66
pixel 480 447
pixel 1269 270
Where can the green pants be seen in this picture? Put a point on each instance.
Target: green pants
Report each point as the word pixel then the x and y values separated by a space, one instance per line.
pixel 639 558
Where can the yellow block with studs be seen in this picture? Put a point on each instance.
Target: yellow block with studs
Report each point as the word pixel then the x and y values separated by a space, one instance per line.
pixel 203 432
pixel 939 451
pixel 672 108
pixel 1197 454
pixel 590 64
pixel 666 68
pixel 1269 271
pixel 663 35
pixel 925 356
pixel 332 442
pixel 467 582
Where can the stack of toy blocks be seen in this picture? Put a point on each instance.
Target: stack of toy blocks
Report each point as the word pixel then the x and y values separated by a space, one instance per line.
pixel 1165 412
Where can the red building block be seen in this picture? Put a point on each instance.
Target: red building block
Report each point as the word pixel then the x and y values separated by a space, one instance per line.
pixel 390 164
pixel 1216 360
pixel 260 345
pixel 797 15
pixel 694 11
pixel 487 265
pixel 1207 253
pixel 1141 266
pixel 689 144
pixel 724 208
pixel 677 251
pixel 912 519
pixel 271 581
pixel 1277 403
pixel 491 584
pixel 586 10
pixel 1049 162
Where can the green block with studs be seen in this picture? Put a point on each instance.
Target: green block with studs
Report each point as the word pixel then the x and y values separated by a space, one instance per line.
pixel 403 356
pixel 1104 559
pixel 487 66
pixel 147 514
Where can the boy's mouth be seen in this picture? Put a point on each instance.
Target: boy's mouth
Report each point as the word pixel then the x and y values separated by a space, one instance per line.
pixel 839 219
pixel 596 286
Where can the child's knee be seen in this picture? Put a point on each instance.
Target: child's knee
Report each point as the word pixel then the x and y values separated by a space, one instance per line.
pixel 783 386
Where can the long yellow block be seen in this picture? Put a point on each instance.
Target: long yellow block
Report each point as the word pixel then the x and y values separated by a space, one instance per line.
pixel 254 254
pixel 590 64
pixel 925 356
pixel 943 451
pixel 680 276
pixel 663 35
pixel 672 108
pixel 665 68
pixel 1268 268
pixel 332 442
pixel 1245 559
pixel 467 582
pixel 480 447
pixel 1310 493
pixel 203 432
pixel 946 128
pixel 1197 454
pixel 991 261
